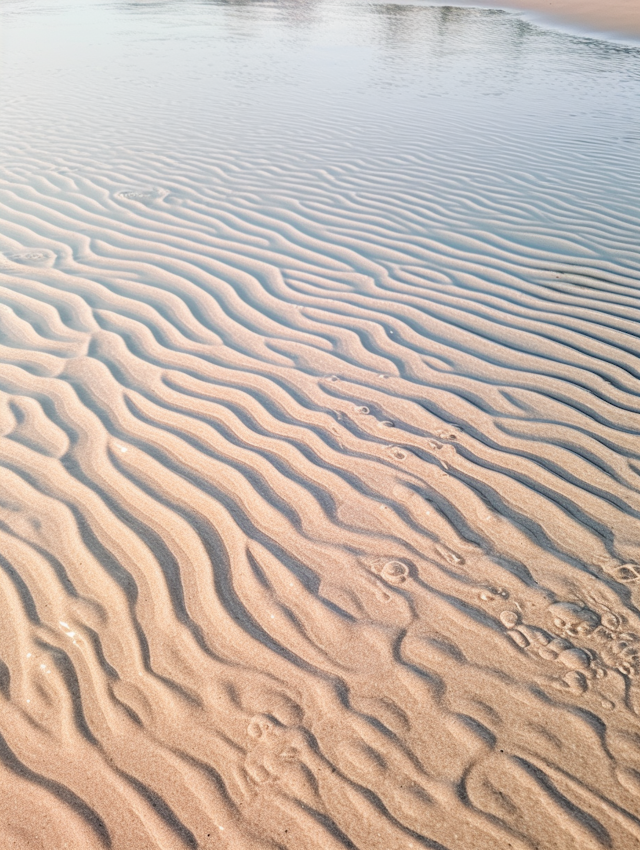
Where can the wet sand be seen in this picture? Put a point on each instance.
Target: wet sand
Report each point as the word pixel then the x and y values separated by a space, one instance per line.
pixel 319 432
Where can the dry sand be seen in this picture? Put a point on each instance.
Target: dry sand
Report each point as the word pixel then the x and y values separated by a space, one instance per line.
pixel 618 16
pixel 614 17
pixel 319 498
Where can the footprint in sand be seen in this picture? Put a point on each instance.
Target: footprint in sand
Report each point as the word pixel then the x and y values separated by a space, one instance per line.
pixel 574 619
pixel 33 257
pixel 394 572
pixel 578 662
pixel 617 649
pixel 606 645
pixel 627 573
pixel 450 556
pixel 139 196
pixel 280 759
pixel 273 748
pixel 491 594
pixel 447 434
pixel 386 581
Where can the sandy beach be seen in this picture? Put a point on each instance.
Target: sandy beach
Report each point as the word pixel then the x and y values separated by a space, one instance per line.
pixel 319 428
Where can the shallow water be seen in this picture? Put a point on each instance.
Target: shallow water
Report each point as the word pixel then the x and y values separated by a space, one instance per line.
pixel 319 415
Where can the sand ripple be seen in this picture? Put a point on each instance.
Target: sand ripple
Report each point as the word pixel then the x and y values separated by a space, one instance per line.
pixel 319 506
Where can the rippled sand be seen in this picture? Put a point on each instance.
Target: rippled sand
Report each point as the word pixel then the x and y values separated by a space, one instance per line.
pixel 319 430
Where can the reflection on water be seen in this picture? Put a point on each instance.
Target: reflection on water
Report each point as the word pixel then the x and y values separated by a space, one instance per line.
pixel 326 49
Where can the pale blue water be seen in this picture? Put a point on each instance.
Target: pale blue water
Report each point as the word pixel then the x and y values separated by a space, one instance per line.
pixel 356 73
pixel 480 94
